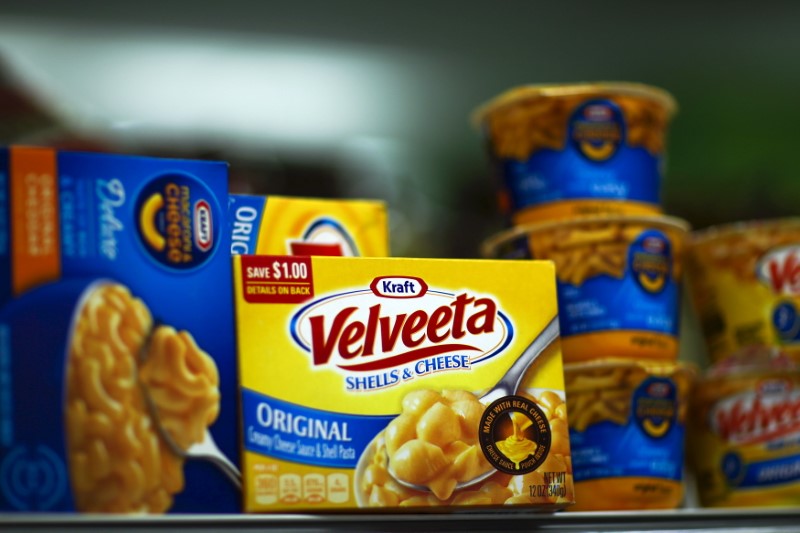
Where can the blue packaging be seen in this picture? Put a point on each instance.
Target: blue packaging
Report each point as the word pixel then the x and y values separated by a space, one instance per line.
pixel 627 426
pixel 116 334
pixel 560 151
pixel 618 281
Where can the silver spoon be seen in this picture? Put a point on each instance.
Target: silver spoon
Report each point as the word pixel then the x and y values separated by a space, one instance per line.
pixel 206 449
pixel 507 386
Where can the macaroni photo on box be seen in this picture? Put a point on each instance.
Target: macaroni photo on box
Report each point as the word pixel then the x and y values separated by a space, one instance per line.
pixel 117 352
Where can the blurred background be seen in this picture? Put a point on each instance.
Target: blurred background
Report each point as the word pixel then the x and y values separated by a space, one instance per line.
pixel 372 99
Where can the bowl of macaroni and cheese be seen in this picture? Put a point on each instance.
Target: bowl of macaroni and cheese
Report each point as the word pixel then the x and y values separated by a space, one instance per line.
pixel 626 426
pixel 434 444
pixel 118 357
pixel 97 352
pixel 618 281
pixel 560 151
pixel 742 278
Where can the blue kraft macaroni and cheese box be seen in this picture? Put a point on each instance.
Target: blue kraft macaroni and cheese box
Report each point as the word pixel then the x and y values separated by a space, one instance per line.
pixel 117 348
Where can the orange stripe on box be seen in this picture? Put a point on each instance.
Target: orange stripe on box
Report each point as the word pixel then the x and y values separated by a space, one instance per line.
pixel 35 232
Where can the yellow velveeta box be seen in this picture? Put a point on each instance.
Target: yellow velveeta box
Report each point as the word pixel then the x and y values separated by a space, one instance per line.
pixel 385 383
pixel 307 226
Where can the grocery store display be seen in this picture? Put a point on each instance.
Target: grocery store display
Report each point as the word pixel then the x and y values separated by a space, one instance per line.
pixel 745 431
pixel 117 350
pixel 745 285
pixel 424 383
pixel 579 168
pixel 619 281
pixel 307 226
pixel 560 151
pixel 375 384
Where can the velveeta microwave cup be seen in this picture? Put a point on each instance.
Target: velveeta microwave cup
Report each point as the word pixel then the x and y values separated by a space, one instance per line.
pixel 744 437
pixel 627 425
pixel 560 151
pixel 618 281
pixel 745 285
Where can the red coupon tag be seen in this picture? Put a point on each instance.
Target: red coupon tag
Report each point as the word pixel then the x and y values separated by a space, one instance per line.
pixel 276 279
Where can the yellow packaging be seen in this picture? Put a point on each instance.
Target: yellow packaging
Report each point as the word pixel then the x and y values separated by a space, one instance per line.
pixel 627 426
pixel 438 371
pixel 745 282
pixel 745 431
pixel 307 226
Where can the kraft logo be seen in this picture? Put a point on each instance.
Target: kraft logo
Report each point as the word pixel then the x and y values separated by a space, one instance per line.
pixel 399 287
pixel 780 270
pixel 364 330
pixel 654 245
pixel 658 390
pixel 203 225
pixel 597 113
pixel 774 386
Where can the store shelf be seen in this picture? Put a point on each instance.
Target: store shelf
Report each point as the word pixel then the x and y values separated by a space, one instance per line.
pixel 750 520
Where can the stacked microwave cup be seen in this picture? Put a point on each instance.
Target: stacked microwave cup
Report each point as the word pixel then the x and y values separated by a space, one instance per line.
pixel 579 170
pixel 744 279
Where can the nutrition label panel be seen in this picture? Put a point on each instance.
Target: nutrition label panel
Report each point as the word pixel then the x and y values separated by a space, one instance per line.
pixel 272 487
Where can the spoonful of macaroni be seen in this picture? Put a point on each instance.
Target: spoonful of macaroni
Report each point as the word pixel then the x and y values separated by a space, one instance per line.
pixel 433 445
pixel 179 383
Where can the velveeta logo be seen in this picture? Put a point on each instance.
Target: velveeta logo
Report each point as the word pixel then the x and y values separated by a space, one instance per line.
pixel 780 270
pixel 401 326
pixel 772 412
